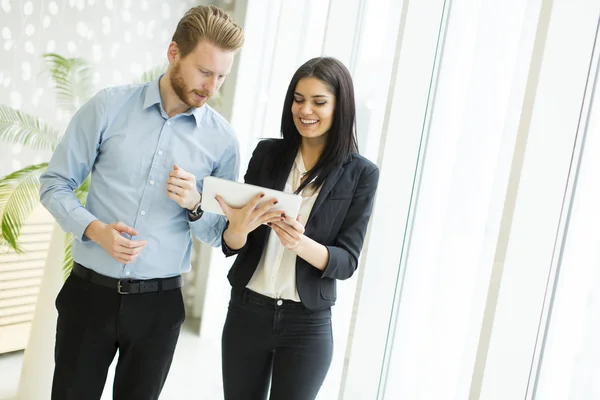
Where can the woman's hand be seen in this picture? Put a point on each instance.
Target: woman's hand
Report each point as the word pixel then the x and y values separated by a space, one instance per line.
pixel 290 232
pixel 244 220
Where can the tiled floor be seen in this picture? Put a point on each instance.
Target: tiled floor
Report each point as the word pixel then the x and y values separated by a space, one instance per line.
pixel 10 370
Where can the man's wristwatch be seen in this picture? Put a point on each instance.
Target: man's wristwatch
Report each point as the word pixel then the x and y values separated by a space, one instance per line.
pixel 197 212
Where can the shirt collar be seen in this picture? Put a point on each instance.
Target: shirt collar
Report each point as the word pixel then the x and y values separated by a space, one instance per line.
pixel 153 97
pixel 299 163
pixel 308 190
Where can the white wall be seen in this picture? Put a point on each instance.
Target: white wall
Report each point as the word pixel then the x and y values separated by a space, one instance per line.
pixel 119 38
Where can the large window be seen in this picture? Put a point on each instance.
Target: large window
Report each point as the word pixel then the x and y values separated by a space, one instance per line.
pixel 567 364
pixel 469 140
pixel 559 88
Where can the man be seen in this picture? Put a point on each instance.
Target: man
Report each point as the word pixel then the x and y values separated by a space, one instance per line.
pixel 147 147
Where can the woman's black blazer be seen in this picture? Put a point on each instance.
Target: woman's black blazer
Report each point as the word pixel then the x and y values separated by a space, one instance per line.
pixel 338 220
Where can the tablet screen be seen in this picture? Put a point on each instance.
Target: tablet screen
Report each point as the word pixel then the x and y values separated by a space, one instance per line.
pixel 238 194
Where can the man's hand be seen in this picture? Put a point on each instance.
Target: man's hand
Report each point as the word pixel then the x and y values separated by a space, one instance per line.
pixel 110 238
pixel 181 187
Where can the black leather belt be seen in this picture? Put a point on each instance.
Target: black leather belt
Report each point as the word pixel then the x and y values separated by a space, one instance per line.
pixel 128 286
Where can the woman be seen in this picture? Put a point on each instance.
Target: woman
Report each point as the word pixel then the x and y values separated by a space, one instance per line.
pixel 278 327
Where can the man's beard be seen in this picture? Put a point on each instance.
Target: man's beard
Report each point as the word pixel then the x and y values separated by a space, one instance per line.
pixel 185 95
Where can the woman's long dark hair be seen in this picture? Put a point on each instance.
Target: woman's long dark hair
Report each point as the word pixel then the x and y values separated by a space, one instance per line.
pixel 341 140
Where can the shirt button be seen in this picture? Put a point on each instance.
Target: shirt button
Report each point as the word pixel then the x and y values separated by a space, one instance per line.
pixel 127 273
pixel 279 302
pixel 160 152
pixel 169 123
pixel 152 182
pixel 143 212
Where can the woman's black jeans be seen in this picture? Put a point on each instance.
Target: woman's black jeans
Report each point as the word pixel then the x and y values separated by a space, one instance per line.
pixel 274 342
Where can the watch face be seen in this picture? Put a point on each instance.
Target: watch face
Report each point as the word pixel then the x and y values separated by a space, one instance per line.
pixel 197 211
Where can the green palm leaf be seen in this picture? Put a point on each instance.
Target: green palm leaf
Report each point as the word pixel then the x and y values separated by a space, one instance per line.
pixel 19 195
pixel 215 100
pixel 68 260
pixel 82 191
pixel 17 127
pixel 152 74
pixel 73 79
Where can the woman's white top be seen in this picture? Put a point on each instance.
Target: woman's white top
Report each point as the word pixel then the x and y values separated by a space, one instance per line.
pixel 275 275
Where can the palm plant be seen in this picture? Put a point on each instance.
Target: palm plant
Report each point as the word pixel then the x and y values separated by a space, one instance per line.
pixel 19 190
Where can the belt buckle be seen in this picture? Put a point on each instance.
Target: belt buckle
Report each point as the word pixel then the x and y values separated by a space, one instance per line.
pixel 120 287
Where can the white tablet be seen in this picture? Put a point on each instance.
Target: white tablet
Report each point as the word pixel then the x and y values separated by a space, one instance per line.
pixel 238 194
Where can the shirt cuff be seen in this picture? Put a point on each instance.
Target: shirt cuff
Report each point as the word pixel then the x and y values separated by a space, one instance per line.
pixel 207 229
pixel 79 219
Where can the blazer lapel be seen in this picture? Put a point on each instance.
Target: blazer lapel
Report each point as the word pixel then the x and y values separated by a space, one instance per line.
pixel 328 185
pixel 281 176
pixel 276 181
